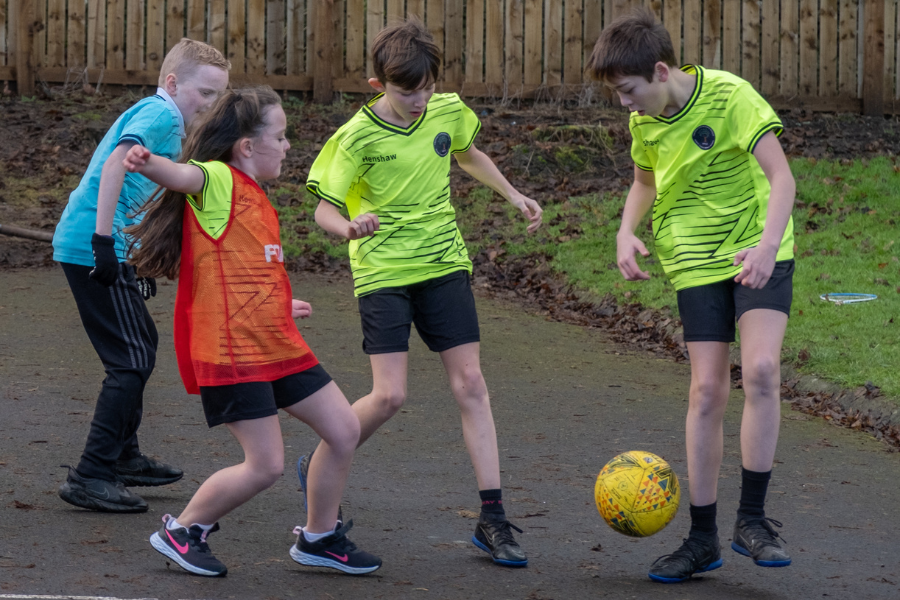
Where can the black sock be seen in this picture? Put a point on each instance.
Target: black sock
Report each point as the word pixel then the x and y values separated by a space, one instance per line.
pixel 492 502
pixel 753 493
pixel 703 521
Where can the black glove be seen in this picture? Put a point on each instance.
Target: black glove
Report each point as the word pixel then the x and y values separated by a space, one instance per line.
pixel 106 263
pixel 147 285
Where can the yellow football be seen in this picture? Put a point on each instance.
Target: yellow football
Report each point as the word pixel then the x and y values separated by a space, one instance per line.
pixel 637 493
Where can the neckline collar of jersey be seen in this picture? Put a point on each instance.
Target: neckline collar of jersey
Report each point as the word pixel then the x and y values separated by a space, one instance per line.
pixel 408 130
pixel 165 96
pixel 698 87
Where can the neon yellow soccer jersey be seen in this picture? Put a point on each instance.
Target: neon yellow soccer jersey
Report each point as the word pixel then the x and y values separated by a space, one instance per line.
pixel 403 176
pixel 711 193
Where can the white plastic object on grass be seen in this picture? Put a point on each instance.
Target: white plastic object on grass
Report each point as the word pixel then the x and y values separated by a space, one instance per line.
pixel 847 298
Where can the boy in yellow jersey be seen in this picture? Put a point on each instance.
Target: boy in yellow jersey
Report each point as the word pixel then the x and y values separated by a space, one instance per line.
pixel 708 162
pixel 390 166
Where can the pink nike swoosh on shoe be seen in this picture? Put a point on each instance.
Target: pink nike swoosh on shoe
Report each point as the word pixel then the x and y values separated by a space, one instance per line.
pixel 181 549
pixel 343 558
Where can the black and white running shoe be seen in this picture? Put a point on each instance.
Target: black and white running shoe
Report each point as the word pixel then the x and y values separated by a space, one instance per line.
pixel 188 548
pixel 335 551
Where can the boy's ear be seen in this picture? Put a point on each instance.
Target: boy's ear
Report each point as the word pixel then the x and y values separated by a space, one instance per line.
pixel 662 71
pixel 171 84
pixel 377 85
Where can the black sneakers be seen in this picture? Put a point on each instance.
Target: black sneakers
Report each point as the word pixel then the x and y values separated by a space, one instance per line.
pixel 335 551
pixel 493 535
pixel 144 471
pixel 188 548
pixel 696 555
pixel 754 537
pixel 99 494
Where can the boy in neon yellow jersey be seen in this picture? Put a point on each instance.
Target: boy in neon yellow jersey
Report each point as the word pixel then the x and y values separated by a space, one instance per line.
pixel 708 162
pixel 390 166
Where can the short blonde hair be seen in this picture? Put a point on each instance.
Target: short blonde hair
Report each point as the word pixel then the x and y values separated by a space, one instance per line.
pixel 186 56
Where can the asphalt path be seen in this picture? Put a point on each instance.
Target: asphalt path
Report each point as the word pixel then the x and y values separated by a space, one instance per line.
pixel 565 401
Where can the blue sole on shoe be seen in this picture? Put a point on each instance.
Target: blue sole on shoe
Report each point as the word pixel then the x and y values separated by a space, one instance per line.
pixel 505 563
pixel 712 566
pixel 760 563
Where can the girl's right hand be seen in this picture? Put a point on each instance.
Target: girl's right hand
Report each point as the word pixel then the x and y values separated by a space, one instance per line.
pixel 627 245
pixel 363 226
pixel 136 158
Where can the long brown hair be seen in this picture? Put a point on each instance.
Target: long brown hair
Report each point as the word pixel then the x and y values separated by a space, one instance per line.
pixel 156 240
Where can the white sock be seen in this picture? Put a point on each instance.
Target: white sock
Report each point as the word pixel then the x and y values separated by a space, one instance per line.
pixel 315 537
pixel 173 524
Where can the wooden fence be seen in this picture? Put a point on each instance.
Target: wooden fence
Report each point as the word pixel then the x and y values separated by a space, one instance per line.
pixel 839 55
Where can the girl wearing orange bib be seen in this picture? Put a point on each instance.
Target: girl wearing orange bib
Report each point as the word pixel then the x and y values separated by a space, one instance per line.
pixel 235 339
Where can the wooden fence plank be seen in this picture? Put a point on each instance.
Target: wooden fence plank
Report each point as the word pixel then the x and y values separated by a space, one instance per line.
pixel 493 50
pixel 56 33
pixel 731 37
pixel 434 20
pixel 712 34
pixel 337 39
pixel 196 20
pixel 417 8
pixel 515 37
pixel 828 47
pixel 155 43
pixel 593 25
pixel 848 75
pixel 691 40
pixel 770 49
pixel 115 31
pixel 274 38
pixel 789 48
pixel 374 23
pixel 75 43
pixel 573 42
pixel 216 24
pixel 322 47
pixel 294 11
pixel 134 35
pixel 174 22
pixel 552 43
pixel 453 44
pixel 750 42
pixel 356 39
pixel 533 40
pixel 873 58
pixel 896 88
pixel 237 35
pixel 4 40
pixel 890 20
pixel 25 55
pixel 672 21
pixel 256 37
pixel 96 21
pixel 394 11
pixel 39 56
pixel 809 48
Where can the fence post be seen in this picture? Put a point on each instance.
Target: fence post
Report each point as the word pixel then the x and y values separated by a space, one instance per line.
pixel 25 48
pixel 324 42
pixel 873 58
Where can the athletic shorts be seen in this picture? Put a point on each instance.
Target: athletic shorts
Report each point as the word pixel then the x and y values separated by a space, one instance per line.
pixel 258 399
pixel 709 312
pixel 443 310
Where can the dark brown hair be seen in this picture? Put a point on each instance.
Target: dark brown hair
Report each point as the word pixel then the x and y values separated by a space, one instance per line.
pixel 156 243
pixel 405 55
pixel 631 45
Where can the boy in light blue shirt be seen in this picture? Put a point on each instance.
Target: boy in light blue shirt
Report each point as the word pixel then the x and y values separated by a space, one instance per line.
pixel 91 247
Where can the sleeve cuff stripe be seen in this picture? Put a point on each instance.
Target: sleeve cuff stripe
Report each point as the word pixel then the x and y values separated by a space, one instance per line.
pixel 471 141
pixel 130 137
pixel 642 167
pixel 315 190
pixel 776 126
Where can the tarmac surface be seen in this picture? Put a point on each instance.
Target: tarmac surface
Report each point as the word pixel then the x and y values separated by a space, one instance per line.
pixel 565 401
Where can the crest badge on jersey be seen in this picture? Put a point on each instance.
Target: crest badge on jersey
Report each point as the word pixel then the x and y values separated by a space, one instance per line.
pixel 442 144
pixel 704 137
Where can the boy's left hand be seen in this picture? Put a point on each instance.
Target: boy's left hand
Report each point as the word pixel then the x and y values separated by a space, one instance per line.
pixel 300 309
pixel 758 266
pixel 529 208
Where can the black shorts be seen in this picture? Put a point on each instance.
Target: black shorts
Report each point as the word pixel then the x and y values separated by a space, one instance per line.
pixel 709 312
pixel 258 399
pixel 443 310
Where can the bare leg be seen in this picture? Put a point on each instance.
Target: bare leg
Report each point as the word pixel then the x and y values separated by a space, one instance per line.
pixel 388 393
pixel 329 414
pixel 467 382
pixel 710 385
pixel 231 487
pixel 762 333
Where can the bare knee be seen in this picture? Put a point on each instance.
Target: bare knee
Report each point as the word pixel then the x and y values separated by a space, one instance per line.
pixel 469 388
pixel 344 438
pixel 708 397
pixel 390 400
pixel 761 376
pixel 267 472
